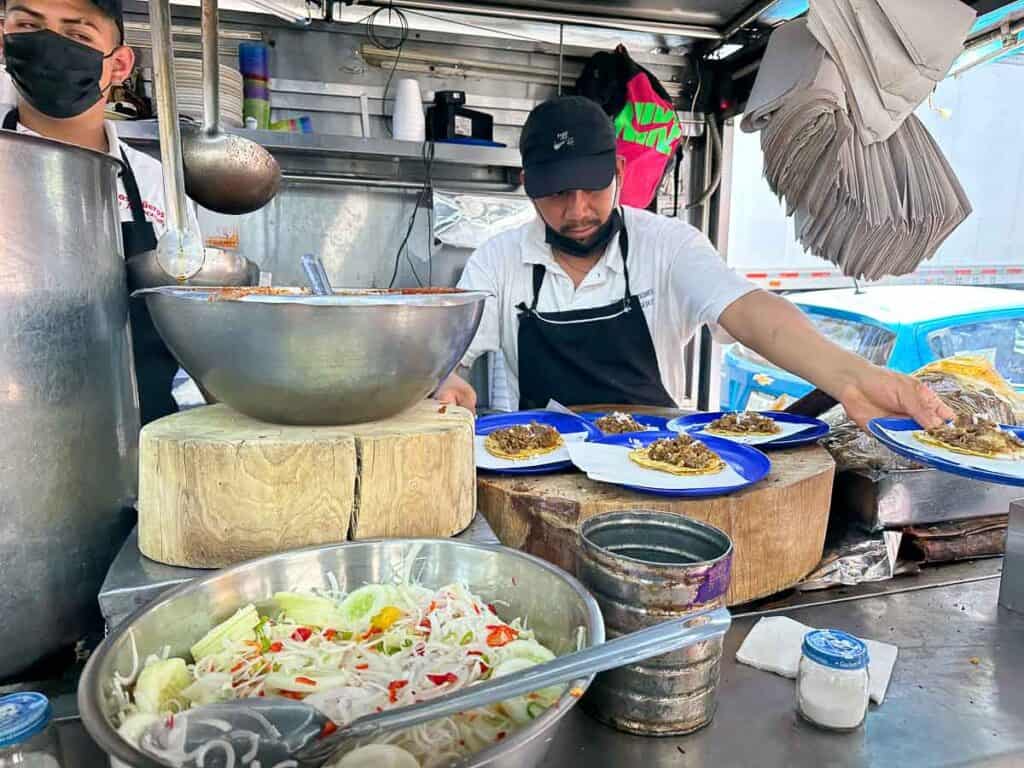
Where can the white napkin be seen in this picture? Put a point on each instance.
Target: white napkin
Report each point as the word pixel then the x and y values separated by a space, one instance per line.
pixel 787 429
pixel 486 460
pixel 775 645
pixel 611 464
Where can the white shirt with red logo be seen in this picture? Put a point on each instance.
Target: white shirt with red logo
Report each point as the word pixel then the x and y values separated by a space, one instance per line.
pixel 149 176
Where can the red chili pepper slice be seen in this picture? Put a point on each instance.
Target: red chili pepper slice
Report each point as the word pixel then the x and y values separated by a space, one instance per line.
pixel 276 647
pixel 362 666
pixel 330 634
pixel 329 728
pixel 394 687
pixel 292 695
pixel 371 633
pixel 302 634
pixel 490 607
pixel 237 667
pixel 446 679
pixel 500 635
pixel 425 624
pixel 305 681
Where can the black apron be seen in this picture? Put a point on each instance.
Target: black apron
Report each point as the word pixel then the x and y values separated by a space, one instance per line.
pixel 155 367
pixel 585 356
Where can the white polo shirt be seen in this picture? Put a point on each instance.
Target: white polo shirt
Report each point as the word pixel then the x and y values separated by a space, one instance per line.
pixel 149 176
pixel 680 279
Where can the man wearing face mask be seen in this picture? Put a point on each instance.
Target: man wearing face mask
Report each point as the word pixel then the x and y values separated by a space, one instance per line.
pixel 63 57
pixel 593 302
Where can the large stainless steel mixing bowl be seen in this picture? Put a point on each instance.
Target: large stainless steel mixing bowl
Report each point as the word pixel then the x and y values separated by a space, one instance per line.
pixel 554 604
pixel 293 358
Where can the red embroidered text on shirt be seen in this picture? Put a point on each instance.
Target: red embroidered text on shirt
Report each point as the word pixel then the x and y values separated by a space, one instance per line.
pixel 152 212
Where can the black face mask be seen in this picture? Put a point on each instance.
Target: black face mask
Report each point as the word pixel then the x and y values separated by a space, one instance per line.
pixel 57 75
pixel 599 241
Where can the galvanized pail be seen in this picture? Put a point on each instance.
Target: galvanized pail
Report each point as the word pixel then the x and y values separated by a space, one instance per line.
pixel 643 568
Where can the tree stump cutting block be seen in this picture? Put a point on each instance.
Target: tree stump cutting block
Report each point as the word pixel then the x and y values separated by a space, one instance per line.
pixel 217 487
pixel 777 526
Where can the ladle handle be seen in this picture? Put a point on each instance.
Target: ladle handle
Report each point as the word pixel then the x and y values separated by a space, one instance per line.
pixel 211 67
pixel 167 108
pixel 646 643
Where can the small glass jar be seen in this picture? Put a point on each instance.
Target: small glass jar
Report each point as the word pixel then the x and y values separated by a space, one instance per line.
pixel 832 684
pixel 27 738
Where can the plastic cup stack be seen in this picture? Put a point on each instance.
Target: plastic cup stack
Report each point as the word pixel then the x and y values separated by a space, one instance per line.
pixel 254 63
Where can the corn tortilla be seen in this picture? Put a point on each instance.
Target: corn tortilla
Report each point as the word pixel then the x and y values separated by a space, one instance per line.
pixel 640 456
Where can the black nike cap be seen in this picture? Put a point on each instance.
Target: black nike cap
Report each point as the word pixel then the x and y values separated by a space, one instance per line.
pixel 567 143
pixel 115 10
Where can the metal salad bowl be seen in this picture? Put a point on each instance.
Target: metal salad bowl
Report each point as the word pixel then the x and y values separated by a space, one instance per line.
pixel 552 602
pixel 285 356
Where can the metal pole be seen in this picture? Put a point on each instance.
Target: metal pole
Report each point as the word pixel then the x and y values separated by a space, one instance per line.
pixel 561 54
pixel 609 22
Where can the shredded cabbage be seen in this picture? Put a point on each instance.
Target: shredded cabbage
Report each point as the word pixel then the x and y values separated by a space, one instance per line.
pixel 394 646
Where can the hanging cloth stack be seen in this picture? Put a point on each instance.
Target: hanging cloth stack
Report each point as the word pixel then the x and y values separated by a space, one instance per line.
pixel 869 188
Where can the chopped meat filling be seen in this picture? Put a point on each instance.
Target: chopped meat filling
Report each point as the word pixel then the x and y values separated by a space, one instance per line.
pixel 618 424
pixel 682 451
pixel 524 437
pixel 976 434
pixel 747 422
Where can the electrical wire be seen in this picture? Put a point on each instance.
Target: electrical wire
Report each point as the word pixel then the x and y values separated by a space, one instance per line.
pixel 423 197
pixel 388 44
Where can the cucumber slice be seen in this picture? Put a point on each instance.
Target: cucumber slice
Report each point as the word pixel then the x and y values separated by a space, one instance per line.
pixel 524 649
pixel 309 610
pixel 377 756
pixel 359 608
pixel 239 627
pixel 160 686
pixel 523 709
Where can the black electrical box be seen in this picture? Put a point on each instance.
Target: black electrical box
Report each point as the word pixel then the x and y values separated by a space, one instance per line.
pixel 448 118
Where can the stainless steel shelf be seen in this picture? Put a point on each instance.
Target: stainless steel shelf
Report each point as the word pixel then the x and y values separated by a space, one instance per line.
pixel 327 158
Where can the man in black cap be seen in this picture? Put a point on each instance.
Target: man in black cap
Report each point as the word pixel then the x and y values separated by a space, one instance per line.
pixel 63 57
pixel 593 302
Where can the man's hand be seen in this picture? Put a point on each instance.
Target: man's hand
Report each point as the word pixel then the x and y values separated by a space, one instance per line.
pixel 873 392
pixel 455 390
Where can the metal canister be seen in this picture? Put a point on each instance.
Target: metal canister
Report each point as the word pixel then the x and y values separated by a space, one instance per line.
pixel 644 568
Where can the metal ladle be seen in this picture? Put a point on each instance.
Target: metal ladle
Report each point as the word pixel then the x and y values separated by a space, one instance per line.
pixel 223 172
pixel 179 251
pixel 298 731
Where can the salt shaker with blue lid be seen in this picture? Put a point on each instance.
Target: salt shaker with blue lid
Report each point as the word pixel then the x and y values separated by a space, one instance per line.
pixel 27 737
pixel 832 682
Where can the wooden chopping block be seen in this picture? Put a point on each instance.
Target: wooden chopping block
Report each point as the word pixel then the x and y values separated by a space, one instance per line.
pixel 217 487
pixel 777 526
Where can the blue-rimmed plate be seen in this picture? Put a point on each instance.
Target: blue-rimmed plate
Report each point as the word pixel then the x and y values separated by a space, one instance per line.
pixel 898 436
pixel 572 428
pixel 652 423
pixel 797 430
pixel 607 460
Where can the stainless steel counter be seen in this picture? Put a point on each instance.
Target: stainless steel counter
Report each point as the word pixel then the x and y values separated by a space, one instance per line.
pixel 956 696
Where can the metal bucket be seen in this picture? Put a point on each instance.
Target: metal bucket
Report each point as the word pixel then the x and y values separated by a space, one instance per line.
pixel 643 568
